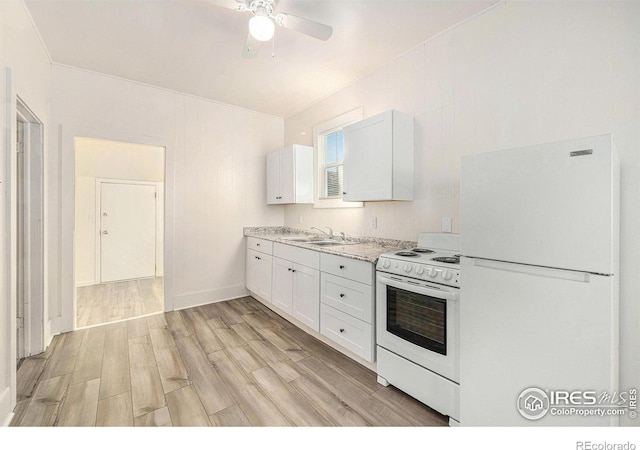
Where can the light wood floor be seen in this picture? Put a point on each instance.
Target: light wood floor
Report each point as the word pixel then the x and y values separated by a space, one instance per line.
pixel 233 363
pixel 104 303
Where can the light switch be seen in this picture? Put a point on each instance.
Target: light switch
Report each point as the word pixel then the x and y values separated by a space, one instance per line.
pixel 374 223
pixel 446 225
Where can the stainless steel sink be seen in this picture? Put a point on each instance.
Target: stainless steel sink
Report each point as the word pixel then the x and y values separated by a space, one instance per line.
pixel 316 241
pixel 324 243
pixel 301 239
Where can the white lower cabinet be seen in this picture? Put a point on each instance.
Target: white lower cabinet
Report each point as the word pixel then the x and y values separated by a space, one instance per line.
pixel 258 273
pixel 306 296
pixel 347 304
pixel 330 294
pixel 296 284
pixel 295 290
pixel 353 334
pixel 349 296
pixel 282 287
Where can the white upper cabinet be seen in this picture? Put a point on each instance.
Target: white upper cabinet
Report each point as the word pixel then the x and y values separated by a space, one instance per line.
pixel 378 158
pixel 290 175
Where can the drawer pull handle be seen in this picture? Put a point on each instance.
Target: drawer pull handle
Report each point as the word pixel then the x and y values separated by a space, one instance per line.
pixel 342 267
pixel 257 257
pixel 341 330
pixel 257 245
pixel 341 295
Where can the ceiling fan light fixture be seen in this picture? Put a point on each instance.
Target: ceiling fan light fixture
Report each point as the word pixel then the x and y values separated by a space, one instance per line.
pixel 261 27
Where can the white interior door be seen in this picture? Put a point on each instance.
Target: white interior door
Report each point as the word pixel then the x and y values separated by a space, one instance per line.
pixel 127 231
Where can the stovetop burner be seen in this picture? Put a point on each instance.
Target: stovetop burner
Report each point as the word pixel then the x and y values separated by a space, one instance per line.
pixel 410 254
pixel 422 250
pixel 447 259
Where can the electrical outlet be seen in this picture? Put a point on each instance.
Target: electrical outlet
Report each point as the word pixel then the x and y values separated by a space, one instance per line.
pixel 446 225
pixel 374 223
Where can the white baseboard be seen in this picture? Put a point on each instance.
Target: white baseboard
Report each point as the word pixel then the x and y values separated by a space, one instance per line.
pixel 85 283
pixel 6 413
pixel 206 297
pixel 7 422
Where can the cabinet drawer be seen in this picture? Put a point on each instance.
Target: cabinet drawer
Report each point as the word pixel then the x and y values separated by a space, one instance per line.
pixel 351 297
pixel 353 269
pixel 297 255
pixel 351 333
pixel 260 245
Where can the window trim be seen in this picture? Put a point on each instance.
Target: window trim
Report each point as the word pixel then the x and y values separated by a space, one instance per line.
pixel 323 165
pixel 328 127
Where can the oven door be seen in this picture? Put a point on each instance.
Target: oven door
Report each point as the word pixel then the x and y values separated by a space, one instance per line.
pixel 419 322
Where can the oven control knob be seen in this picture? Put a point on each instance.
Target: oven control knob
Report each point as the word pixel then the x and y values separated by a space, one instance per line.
pixel 434 273
pixel 420 270
pixel 386 264
pixel 446 275
pixel 407 268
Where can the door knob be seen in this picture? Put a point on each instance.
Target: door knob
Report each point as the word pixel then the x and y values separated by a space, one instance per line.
pixel 105 232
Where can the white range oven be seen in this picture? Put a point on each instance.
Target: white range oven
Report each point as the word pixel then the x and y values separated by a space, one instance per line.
pixel 417 321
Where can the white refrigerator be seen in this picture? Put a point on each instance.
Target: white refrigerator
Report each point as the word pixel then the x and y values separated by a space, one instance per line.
pixel 539 285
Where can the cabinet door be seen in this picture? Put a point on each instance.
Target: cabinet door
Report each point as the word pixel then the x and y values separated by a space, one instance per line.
pixel 282 285
pixel 287 176
pixel 251 272
pixel 273 178
pixel 306 296
pixel 368 160
pixel 263 276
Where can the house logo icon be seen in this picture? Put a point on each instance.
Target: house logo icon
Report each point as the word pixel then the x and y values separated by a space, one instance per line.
pixel 533 403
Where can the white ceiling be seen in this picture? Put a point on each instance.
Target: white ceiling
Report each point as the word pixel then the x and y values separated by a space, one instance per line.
pixel 195 47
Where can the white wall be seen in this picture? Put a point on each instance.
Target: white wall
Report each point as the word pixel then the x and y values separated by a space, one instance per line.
pixel 21 51
pixel 215 176
pixel 520 73
pixel 96 158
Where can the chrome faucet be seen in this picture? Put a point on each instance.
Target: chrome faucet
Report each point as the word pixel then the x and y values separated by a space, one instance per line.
pixel 329 234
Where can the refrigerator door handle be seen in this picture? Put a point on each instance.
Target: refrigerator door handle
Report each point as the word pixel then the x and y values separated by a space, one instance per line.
pixel 547 272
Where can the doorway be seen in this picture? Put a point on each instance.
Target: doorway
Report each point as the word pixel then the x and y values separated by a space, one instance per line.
pixel 29 236
pixel 119 231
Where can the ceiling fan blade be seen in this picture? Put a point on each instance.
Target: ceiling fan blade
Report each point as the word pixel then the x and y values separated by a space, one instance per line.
pixel 315 29
pixel 251 48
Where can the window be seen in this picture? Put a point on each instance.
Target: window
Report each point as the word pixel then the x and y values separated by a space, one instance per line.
pixel 329 146
pixel 332 144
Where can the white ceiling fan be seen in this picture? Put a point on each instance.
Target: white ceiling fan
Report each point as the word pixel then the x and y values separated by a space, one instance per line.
pixel 262 24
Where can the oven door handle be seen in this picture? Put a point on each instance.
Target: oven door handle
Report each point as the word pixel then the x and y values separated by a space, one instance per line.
pixel 431 292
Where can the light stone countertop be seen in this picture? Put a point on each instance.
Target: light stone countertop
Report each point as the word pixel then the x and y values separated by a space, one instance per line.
pixel 361 248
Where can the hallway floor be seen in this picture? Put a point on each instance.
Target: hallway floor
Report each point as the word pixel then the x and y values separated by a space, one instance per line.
pixel 110 302
pixel 234 363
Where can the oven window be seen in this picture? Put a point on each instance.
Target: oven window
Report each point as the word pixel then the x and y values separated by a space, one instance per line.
pixel 418 318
